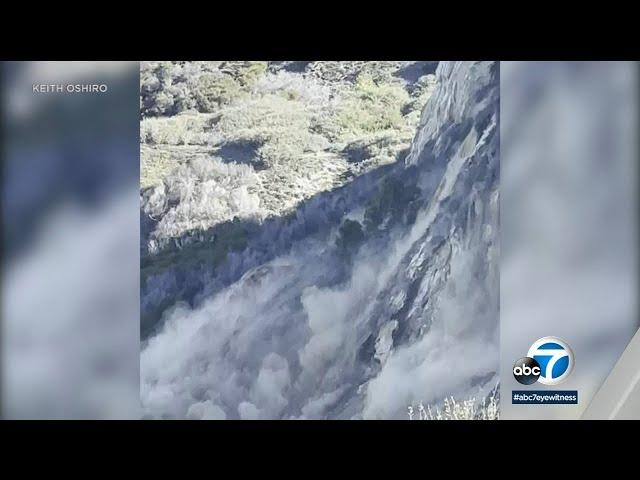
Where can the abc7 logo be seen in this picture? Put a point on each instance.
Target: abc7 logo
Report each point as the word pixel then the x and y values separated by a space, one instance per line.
pixel 526 370
pixel 549 361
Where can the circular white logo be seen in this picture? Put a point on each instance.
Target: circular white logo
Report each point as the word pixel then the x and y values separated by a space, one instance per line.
pixel 555 358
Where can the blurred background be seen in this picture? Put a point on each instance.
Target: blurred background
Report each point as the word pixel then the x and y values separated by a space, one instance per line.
pixel 70 260
pixel 568 264
pixel 70 231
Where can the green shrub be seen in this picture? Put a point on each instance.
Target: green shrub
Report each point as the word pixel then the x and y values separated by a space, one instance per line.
pixel 214 90
pixel 250 72
pixel 184 129
pixel 170 88
pixel 372 107
pixel 280 126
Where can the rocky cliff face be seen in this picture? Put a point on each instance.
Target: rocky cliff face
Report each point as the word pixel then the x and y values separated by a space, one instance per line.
pixel 363 300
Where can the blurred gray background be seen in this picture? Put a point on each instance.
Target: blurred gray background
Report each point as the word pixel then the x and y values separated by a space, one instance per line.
pixel 568 265
pixel 70 242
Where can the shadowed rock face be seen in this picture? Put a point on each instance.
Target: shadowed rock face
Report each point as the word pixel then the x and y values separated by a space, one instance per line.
pixel 286 325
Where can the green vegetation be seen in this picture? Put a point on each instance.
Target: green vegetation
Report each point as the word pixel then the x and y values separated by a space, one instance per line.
pixel 171 88
pixel 248 73
pixel 295 133
pixel 222 87
pixel 372 107
pixel 215 90
pixel 186 129
pixel 279 125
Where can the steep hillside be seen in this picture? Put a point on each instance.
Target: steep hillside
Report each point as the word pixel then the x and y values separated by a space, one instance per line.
pixel 226 146
pixel 355 301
